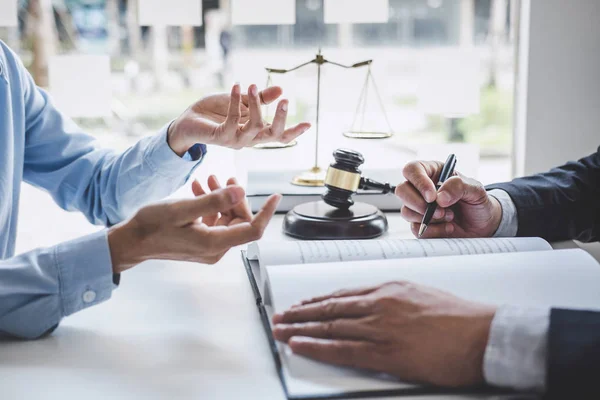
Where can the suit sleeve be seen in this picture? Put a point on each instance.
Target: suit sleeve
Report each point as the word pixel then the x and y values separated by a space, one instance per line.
pixel 561 204
pixel 573 355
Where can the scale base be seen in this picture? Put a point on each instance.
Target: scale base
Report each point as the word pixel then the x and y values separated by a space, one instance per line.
pixel 320 221
pixel 315 177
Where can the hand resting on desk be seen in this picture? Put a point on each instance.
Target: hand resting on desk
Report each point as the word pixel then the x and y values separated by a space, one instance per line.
pixel 416 333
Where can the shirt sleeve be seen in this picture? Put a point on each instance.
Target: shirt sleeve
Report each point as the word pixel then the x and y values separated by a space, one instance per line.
pixel 105 186
pixel 516 352
pixel 509 225
pixel 39 288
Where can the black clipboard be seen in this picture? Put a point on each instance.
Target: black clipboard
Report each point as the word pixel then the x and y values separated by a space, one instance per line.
pixel 413 391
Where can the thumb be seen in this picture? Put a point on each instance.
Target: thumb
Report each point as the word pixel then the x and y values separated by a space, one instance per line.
pixel 189 210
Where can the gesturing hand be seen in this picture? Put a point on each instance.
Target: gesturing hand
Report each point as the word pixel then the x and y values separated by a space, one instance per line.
pixel 464 207
pixel 216 106
pixel 233 121
pixel 236 215
pixel 201 230
pixel 413 332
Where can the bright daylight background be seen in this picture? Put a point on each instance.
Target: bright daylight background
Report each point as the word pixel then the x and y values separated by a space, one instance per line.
pixel 123 68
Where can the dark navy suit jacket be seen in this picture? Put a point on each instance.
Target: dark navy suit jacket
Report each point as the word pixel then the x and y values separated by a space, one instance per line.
pixel 561 204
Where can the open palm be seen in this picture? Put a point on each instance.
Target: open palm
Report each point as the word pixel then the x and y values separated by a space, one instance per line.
pixel 239 126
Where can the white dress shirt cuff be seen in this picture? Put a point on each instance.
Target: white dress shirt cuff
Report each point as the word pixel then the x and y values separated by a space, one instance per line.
pixel 516 353
pixel 509 225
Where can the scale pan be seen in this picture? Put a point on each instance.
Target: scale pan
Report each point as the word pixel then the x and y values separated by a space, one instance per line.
pixel 368 135
pixel 275 145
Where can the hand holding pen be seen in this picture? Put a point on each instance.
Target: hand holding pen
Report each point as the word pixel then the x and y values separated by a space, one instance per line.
pixel 447 172
pixel 463 207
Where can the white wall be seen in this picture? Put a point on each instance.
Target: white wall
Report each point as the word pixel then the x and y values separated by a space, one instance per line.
pixel 558 84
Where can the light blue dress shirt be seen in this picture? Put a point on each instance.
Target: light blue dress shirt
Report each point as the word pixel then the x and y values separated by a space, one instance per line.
pixel 40 146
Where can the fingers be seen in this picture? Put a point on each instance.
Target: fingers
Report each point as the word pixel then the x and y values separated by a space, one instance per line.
pixel 267 96
pixel 443 230
pixel 242 210
pixel 410 197
pixel 287 136
pixel 459 188
pixel 256 123
pixel 345 307
pixel 422 174
pixel 246 232
pixel 278 126
pixel 443 215
pixel 213 183
pixel 348 353
pixel 198 190
pixel 342 293
pixel 234 113
pixel 187 211
pixel 292 133
pixel 336 329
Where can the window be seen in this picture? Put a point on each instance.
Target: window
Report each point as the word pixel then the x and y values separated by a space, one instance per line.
pixel 156 72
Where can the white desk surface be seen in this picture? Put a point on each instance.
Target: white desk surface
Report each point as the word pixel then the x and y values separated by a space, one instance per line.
pixel 171 331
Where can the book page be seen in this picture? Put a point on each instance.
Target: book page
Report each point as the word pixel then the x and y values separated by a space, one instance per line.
pixel 323 251
pixel 562 278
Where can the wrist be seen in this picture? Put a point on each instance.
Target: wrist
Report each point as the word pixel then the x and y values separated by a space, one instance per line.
pixel 481 324
pixel 176 140
pixel 123 242
pixel 496 214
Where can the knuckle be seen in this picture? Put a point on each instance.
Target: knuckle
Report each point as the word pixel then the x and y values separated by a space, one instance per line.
pixel 399 284
pixel 328 308
pixel 365 304
pixel 401 189
pixel 410 169
pixel 256 234
pixel 328 329
pixel 455 184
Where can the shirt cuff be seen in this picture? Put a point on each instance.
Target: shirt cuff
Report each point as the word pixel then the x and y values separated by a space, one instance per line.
pixel 84 272
pixel 515 356
pixel 509 225
pixel 164 162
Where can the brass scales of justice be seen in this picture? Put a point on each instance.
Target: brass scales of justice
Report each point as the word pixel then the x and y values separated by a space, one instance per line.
pixel 316 175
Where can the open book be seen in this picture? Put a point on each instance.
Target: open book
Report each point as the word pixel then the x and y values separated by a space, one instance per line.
pixel 520 271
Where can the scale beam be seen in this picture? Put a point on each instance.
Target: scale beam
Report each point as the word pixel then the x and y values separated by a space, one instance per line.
pixel 316 176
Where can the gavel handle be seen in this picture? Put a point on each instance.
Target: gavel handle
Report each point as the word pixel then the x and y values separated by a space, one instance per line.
pixel 369 184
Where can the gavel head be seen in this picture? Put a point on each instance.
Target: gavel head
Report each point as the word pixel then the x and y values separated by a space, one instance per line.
pixel 343 178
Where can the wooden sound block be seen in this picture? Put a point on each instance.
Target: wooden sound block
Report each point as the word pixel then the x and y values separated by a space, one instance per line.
pixel 320 221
